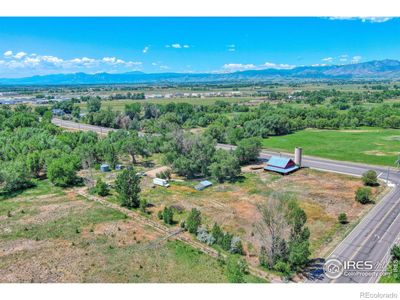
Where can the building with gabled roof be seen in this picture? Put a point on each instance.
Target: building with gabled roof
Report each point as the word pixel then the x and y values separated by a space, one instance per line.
pixel 282 165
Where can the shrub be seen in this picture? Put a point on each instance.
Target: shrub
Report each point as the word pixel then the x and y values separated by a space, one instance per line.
pixel 102 188
pixel 226 241
pixel 342 218
pixel 143 205
pixel 236 246
pixel 283 267
pixel 165 174
pixel 363 195
pixel 168 216
pixel 235 269
pixel 217 233
pixel 193 221
pixel 370 178
pixel 396 252
pixel 204 236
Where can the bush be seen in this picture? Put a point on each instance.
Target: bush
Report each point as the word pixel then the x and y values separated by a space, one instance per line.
pixel 283 267
pixel 164 174
pixel 102 188
pixel 160 214
pixel 168 215
pixel 204 236
pixel 396 252
pixel 217 233
pixel 342 218
pixel 226 241
pixel 235 269
pixel 363 195
pixel 193 221
pixel 370 178
pixel 236 246
pixel 62 172
pixel 143 205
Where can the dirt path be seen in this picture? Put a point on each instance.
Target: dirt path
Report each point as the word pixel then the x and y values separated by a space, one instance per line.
pixel 178 234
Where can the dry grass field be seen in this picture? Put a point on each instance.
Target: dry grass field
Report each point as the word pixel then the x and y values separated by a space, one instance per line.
pixel 51 235
pixel 323 196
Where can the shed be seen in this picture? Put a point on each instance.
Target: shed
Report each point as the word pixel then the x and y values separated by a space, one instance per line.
pixel 105 168
pixel 58 112
pixel 202 185
pixel 282 165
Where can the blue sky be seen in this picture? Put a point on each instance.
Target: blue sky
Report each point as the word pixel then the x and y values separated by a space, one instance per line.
pixel 39 46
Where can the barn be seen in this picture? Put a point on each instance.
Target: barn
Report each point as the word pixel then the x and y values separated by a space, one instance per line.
pixel 282 165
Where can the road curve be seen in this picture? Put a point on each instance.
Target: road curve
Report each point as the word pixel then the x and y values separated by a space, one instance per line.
pixel 371 240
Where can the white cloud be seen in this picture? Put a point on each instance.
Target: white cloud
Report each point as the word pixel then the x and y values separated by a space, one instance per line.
pixel 177 46
pixel 24 64
pixel 356 59
pixel 8 53
pixel 327 59
pixel 376 19
pixel 238 67
pixel 270 65
pixel 233 67
pixel 145 49
pixel 364 19
pixel 342 59
pixel 20 55
pixel 164 67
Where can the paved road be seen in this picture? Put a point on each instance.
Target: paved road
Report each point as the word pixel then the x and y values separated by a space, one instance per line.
pixel 370 240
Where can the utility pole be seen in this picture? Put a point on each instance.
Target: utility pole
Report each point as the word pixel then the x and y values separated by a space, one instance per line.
pixel 387 177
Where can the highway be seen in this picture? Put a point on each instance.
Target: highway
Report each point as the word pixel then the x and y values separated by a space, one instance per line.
pixel 371 240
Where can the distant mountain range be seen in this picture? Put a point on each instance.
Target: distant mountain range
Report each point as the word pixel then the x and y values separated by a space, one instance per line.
pixel 377 69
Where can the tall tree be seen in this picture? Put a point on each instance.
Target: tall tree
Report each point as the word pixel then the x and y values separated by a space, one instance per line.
pixel 127 185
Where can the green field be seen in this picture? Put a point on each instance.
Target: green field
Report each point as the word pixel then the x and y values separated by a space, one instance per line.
pixel 365 145
pixel 120 104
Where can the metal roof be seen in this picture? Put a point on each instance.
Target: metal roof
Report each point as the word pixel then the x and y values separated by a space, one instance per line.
pixel 280 162
pixel 281 170
pixel 203 184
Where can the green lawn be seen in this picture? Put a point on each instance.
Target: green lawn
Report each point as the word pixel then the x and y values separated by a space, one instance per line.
pixel 366 145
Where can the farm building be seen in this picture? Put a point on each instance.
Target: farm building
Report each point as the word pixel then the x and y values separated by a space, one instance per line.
pixel 282 165
pixel 105 168
pixel 202 185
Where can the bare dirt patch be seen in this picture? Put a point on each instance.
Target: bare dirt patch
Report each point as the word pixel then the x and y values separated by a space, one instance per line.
pixel 54 211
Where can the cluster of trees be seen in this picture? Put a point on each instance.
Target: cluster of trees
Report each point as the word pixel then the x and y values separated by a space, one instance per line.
pixel 33 148
pixel 285 238
pixel 193 155
pixel 216 236
pixel 129 95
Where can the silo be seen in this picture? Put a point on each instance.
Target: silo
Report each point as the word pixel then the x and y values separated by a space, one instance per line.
pixel 298 156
